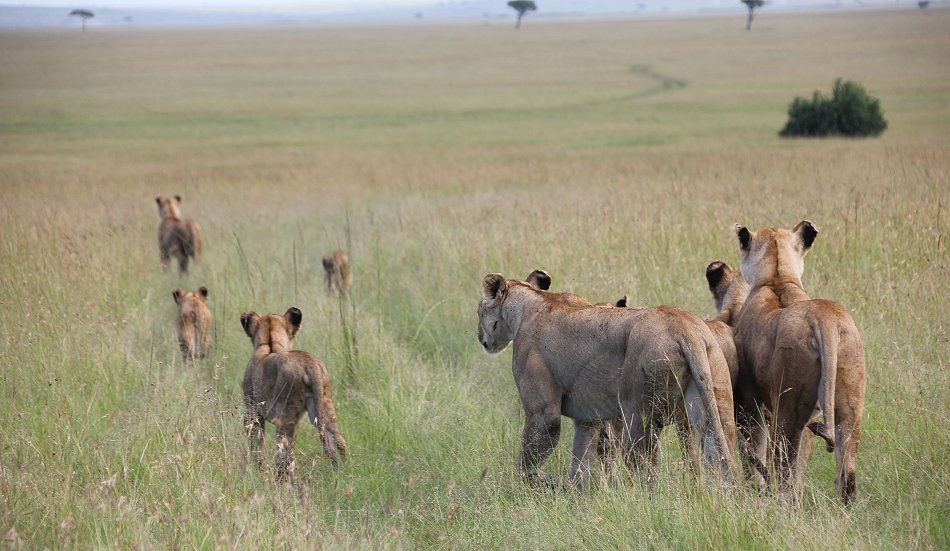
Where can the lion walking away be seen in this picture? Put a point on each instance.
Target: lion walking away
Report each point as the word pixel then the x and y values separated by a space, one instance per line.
pixel 177 237
pixel 281 384
pixel 194 323
pixel 336 267
pixel 803 355
pixel 594 365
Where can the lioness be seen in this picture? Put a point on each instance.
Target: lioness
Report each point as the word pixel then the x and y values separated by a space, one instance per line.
pixel 336 267
pixel 177 236
pixel 800 354
pixel 723 381
pixel 729 291
pixel 279 384
pixel 194 323
pixel 598 364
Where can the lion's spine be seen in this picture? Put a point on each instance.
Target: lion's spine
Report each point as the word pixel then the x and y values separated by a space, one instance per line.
pixel 696 353
pixel 194 344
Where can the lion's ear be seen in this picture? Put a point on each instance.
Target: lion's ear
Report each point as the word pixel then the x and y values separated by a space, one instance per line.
pixel 203 291
pixel 715 273
pixel 744 235
pixel 158 200
pixel 178 198
pixel 176 294
pixel 807 232
pixel 494 285
pixel 539 279
pixel 293 316
pixel 623 302
pixel 249 321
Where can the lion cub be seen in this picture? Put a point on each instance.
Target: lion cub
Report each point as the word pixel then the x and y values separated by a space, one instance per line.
pixel 177 236
pixel 194 323
pixel 280 384
pixel 336 267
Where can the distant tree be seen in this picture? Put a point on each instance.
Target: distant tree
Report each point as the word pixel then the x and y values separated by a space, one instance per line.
pixel 752 5
pixel 82 14
pixel 923 4
pixel 522 7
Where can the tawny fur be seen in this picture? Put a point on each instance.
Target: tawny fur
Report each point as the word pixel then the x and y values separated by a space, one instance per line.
pixel 723 380
pixel 336 267
pixel 194 323
pixel 729 291
pixel 177 237
pixel 280 385
pixel 797 355
pixel 595 365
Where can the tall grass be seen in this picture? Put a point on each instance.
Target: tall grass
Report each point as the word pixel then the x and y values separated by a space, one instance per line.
pixel 435 155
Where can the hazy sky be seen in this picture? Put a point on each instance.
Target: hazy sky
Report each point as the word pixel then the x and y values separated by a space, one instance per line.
pixel 288 5
pixel 215 4
pixel 305 5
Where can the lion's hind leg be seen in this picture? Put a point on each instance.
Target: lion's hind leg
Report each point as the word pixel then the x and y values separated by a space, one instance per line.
pixel 286 465
pixel 586 439
pixel 641 441
pixel 687 440
pixel 254 428
pixel 182 263
pixel 848 437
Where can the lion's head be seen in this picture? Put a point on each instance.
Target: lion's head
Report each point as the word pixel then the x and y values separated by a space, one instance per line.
pixel 494 333
pixel 276 331
pixel 726 285
pixel 185 298
pixel 771 254
pixel 169 207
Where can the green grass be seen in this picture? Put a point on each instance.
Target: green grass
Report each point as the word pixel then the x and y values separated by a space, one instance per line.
pixel 615 155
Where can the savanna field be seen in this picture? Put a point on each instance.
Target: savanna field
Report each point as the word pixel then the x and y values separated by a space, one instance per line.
pixel 615 155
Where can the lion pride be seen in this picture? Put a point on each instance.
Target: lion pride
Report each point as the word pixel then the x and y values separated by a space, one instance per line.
pixel 797 354
pixel 177 236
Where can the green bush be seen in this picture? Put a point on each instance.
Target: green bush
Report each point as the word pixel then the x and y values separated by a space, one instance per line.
pixel 850 111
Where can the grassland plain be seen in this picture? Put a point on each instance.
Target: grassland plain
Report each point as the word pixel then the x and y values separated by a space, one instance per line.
pixel 616 155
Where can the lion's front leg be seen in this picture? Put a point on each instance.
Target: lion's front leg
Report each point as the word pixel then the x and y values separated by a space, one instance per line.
pixel 541 433
pixel 586 440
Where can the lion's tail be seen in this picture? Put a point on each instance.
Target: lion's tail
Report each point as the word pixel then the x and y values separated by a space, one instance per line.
pixel 828 343
pixel 322 414
pixel 196 243
pixel 696 352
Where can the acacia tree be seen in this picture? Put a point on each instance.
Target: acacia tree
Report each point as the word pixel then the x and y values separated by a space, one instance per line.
pixel 82 14
pixel 522 7
pixel 752 5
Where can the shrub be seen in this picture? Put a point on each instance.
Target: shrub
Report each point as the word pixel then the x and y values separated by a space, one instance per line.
pixel 850 111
